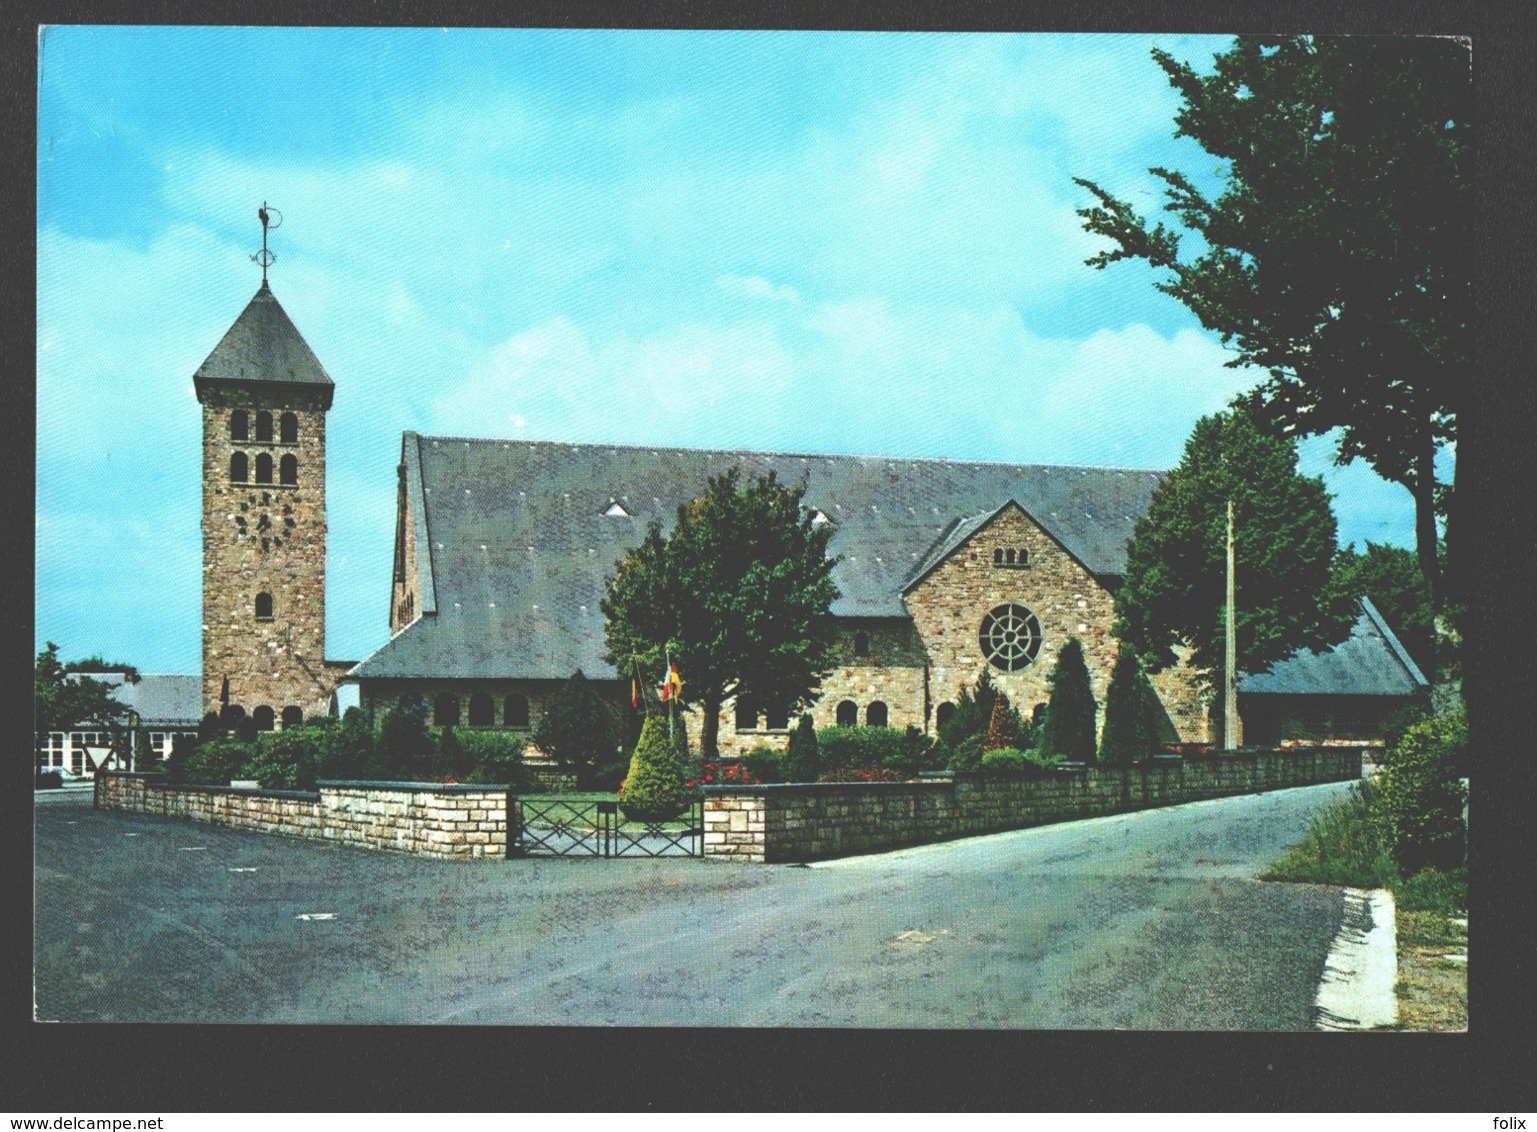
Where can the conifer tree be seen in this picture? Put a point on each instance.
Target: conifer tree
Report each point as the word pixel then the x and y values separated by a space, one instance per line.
pixel 1002 725
pixel 803 761
pixel 1069 730
pixel 1132 713
pixel 654 790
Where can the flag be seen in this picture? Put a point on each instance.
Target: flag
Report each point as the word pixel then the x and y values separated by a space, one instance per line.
pixel 673 686
pixel 634 692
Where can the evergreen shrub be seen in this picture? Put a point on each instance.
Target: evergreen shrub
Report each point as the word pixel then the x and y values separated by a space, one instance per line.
pixel 861 747
pixel 1069 729
pixel 404 749
pixel 803 757
pixel 764 764
pixel 496 757
pixel 286 760
pixel 213 763
pixel 967 754
pixel 1133 714
pixel 1013 761
pixel 1002 725
pixel 654 789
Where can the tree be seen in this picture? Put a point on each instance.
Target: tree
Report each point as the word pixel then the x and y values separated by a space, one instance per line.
pixel 973 711
pixel 1002 725
pixel 1069 730
pixel 1132 714
pixel 654 790
pixel 1391 578
pixel 802 761
pixel 737 595
pixel 1174 593
pixel 1338 254
pixel 61 701
pixel 579 729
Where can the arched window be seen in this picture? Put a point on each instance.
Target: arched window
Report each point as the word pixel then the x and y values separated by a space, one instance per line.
pixel 1024 557
pixel 288 469
pixel 263 718
pixel 875 715
pixel 998 557
pixel 777 719
pixel 288 429
pixel 1009 557
pixel 848 714
pixel 264 607
pixel 515 710
pixel 746 717
pixel 239 468
pixel 482 710
pixel 263 468
pixel 944 714
pixel 861 644
pixel 239 425
pixel 445 710
pixel 292 716
pixel 231 714
pixel 264 427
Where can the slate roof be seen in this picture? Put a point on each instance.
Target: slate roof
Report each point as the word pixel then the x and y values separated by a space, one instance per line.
pixel 161 699
pixel 264 346
pixel 515 551
pixel 1370 662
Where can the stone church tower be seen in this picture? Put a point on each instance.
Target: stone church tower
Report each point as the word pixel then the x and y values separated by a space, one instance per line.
pixel 264 396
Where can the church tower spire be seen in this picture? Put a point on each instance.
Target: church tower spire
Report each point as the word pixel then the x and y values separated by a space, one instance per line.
pixel 264 397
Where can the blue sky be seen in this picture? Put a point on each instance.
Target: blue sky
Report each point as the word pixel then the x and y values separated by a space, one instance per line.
pixel 839 242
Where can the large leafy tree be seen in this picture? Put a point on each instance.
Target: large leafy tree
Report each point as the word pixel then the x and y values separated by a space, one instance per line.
pixel 1337 254
pixel 63 700
pixel 738 594
pixel 1174 593
pixel 580 729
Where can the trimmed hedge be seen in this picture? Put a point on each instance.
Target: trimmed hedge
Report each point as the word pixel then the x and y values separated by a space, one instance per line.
pixel 902 752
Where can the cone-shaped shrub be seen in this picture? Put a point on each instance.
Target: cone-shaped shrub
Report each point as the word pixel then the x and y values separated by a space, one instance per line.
pixel 1131 713
pixel 1069 730
pixel 1002 729
pixel 654 789
pixel 802 761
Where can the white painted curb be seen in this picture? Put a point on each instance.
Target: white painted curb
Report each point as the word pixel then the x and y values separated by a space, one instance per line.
pixel 1357 988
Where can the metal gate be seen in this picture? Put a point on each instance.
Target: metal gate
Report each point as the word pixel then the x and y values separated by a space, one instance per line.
pixel 545 826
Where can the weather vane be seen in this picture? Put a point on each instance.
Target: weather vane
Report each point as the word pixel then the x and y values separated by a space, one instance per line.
pixel 264 257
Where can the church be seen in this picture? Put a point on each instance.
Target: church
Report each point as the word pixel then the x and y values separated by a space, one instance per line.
pixel 503 550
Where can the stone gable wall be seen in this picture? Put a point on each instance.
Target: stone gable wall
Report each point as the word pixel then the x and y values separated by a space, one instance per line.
pixel 423 818
pixel 948 607
pixel 264 538
pixel 811 822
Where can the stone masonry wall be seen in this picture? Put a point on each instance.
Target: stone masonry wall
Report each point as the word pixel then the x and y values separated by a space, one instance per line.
pixel 430 819
pixel 813 821
pixel 264 538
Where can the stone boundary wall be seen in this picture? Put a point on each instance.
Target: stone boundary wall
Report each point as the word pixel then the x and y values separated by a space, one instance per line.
pixel 806 822
pixel 428 818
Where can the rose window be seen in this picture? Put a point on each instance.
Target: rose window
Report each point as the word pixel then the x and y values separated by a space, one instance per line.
pixel 1010 637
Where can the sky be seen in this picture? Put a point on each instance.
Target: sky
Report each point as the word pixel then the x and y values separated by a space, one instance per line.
pixel 838 242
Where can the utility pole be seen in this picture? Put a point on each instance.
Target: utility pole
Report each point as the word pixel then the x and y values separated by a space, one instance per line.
pixel 1230 653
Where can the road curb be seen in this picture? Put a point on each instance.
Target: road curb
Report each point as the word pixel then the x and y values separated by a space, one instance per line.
pixel 1356 992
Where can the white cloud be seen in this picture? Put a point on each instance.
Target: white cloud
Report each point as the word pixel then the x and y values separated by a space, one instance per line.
pixel 757 287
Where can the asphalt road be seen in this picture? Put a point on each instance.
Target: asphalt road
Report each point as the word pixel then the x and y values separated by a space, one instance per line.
pixel 1140 921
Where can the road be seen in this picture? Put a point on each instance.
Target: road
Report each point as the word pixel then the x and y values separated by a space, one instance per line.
pixel 1140 921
